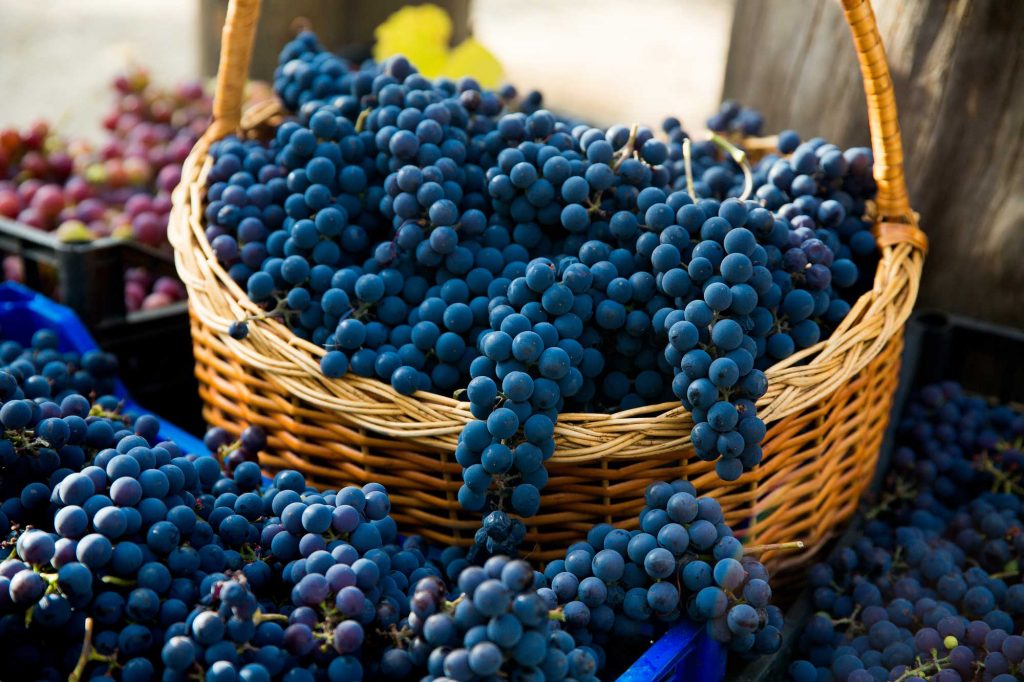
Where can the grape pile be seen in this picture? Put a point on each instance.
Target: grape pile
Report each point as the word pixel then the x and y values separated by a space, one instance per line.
pixel 129 559
pixel 120 188
pixel 442 237
pixel 932 591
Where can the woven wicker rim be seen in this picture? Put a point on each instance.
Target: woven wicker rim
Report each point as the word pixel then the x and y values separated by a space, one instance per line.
pixel 431 421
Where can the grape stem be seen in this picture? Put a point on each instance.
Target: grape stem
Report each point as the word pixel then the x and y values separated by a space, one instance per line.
pixel 1002 481
pixel 115 580
pixel 397 636
pixel 926 668
pixel 260 617
pixel 248 553
pixel 628 148
pixel 904 491
pixel 688 163
pixel 98 411
pixel 1004 574
pixel 51 584
pixel 25 442
pixel 83 658
pixel 361 120
pixel 329 610
pixel 850 620
pixel 897 560
pixel 756 549
pixel 223 450
pixel 740 157
pixel 279 308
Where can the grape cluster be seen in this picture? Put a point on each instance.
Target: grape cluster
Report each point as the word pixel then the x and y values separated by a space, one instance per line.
pixel 683 562
pixel 531 363
pixel 810 184
pixel 429 234
pixel 932 589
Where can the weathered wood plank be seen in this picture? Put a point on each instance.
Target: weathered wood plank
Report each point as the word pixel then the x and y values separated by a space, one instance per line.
pixel 958 70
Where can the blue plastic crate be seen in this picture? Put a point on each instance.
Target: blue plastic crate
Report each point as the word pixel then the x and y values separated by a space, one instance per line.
pixel 685 652
pixel 23 311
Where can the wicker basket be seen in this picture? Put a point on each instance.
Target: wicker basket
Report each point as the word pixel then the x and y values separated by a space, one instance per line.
pixel 826 407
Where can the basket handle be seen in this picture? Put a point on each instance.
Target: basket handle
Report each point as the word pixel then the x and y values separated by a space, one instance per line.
pixel 240 32
pixel 236 44
pixel 886 144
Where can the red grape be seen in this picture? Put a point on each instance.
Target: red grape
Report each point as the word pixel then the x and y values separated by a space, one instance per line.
pixel 134 295
pixel 33 218
pixel 156 300
pixel 77 189
pixel 10 205
pixel 90 210
pixel 170 287
pixel 34 163
pixel 162 203
pixel 149 228
pixel 14 268
pixel 61 165
pixel 35 135
pixel 168 178
pixel 48 200
pixel 136 204
pixel 27 189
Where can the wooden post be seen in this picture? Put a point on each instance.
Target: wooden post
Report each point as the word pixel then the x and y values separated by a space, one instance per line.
pixel 345 26
pixel 958 70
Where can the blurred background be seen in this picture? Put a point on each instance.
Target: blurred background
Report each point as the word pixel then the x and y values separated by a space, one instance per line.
pixel 958 67
pixel 589 57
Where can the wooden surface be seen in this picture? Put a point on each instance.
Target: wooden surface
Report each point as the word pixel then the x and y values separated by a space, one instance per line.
pixel 958 69
pixel 345 26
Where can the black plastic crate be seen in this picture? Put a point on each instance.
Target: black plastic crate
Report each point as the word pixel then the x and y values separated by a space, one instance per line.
pixel 87 277
pixel 154 350
pixel 154 346
pixel 986 359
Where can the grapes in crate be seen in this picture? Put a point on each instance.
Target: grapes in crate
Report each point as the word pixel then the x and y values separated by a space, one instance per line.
pixel 932 590
pixel 120 187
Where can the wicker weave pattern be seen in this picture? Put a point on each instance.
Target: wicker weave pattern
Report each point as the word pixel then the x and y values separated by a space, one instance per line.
pixel 826 416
